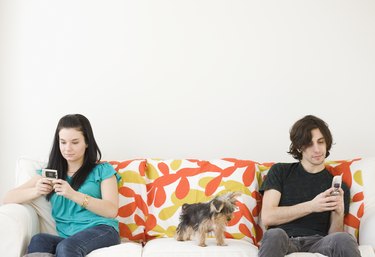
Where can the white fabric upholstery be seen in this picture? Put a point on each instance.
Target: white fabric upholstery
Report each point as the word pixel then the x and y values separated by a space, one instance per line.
pixel 26 169
pixel 124 249
pixel 169 247
pixel 18 224
pixel 367 226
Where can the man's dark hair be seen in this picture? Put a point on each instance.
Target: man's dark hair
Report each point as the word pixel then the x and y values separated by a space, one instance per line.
pixel 300 135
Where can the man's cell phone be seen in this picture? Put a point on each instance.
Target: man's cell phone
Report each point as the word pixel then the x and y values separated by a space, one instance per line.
pixel 336 184
pixel 49 174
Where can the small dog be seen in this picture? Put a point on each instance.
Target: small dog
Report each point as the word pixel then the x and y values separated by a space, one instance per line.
pixel 202 218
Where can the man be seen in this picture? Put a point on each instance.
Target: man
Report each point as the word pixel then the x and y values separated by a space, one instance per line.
pixel 298 209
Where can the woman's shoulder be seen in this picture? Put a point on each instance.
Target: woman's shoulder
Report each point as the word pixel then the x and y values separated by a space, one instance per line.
pixel 104 166
pixel 103 170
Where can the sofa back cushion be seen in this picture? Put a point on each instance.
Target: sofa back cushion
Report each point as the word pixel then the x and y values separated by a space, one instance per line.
pixel 26 169
pixel 133 210
pixel 171 183
pixel 351 171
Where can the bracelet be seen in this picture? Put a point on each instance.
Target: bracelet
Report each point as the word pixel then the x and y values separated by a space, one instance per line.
pixel 85 201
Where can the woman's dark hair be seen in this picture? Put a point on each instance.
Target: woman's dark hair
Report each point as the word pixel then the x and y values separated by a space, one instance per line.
pixel 91 157
pixel 300 135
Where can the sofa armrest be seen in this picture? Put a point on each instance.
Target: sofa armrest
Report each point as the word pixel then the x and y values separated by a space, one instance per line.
pixel 367 226
pixel 18 223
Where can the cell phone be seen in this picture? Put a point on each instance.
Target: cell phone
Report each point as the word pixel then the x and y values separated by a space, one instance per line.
pixel 49 174
pixel 336 184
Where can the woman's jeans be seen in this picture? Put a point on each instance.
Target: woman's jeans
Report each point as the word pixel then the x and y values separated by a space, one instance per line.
pixel 77 245
pixel 276 243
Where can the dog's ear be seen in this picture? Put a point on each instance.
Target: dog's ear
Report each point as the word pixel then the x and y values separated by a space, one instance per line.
pixel 216 205
pixel 232 197
pixel 184 208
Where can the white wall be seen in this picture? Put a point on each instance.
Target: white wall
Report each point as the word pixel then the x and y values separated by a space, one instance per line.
pixel 179 79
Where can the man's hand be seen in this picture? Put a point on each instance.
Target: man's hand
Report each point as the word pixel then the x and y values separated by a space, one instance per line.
pixel 327 202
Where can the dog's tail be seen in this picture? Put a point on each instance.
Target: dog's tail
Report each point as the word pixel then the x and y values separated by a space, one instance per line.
pixel 179 233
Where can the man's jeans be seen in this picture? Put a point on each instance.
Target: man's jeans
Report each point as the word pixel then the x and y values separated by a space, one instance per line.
pixel 78 245
pixel 276 243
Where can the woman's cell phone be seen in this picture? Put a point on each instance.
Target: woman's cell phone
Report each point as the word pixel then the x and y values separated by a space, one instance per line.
pixel 49 174
pixel 336 184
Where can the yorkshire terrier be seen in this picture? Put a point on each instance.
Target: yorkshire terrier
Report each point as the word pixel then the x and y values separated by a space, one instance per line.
pixel 202 218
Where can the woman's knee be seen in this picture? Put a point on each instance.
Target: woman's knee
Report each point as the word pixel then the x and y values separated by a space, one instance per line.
pixel 39 243
pixel 69 248
pixel 39 238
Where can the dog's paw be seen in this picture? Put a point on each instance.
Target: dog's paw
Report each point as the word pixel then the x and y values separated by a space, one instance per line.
pixel 202 245
pixel 222 244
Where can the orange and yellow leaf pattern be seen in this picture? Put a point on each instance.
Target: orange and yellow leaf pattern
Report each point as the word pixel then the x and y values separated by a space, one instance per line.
pixel 171 183
pixel 152 191
pixel 133 209
pixel 352 176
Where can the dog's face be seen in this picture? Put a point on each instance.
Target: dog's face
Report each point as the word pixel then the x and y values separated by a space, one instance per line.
pixel 223 206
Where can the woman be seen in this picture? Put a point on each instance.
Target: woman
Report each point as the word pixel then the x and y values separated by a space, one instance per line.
pixel 84 197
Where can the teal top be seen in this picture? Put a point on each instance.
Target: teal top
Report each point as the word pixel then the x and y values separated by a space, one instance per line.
pixel 71 217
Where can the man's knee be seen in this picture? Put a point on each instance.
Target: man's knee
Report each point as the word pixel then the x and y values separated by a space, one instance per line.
pixel 343 238
pixel 344 244
pixel 274 243
pixel 276 234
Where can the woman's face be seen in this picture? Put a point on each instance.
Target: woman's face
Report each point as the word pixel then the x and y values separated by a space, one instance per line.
pixel 72 145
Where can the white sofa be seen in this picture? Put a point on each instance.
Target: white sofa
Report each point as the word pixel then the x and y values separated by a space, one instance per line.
pixel 19 223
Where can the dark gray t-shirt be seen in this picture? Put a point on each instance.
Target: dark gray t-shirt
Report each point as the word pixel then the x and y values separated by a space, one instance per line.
pixel 296 186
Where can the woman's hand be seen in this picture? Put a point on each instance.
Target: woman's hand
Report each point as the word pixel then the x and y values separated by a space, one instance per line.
pixel 63 188
pixel 44 186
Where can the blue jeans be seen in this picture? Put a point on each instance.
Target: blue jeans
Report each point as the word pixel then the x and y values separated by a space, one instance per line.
pixel 276 243
pixel 77 245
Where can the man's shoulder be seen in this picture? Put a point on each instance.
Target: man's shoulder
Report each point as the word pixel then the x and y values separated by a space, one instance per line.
pixel 284 166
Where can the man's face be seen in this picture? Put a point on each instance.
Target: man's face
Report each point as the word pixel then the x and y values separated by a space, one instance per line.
pixel 315 153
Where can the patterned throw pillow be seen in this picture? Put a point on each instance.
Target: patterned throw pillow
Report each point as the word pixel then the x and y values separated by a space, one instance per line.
pixel 352 176
pixel 133 210
pixel 171 183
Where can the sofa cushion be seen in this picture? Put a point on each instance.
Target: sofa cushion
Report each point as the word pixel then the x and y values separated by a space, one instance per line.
pixel 352 176
pixel 171 183
pixel 125 249
pixel 26 169
pixel 169 247
pixel 133 210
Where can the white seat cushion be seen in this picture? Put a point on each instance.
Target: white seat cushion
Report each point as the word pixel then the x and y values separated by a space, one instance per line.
pixel 121 250
pixel 170 247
